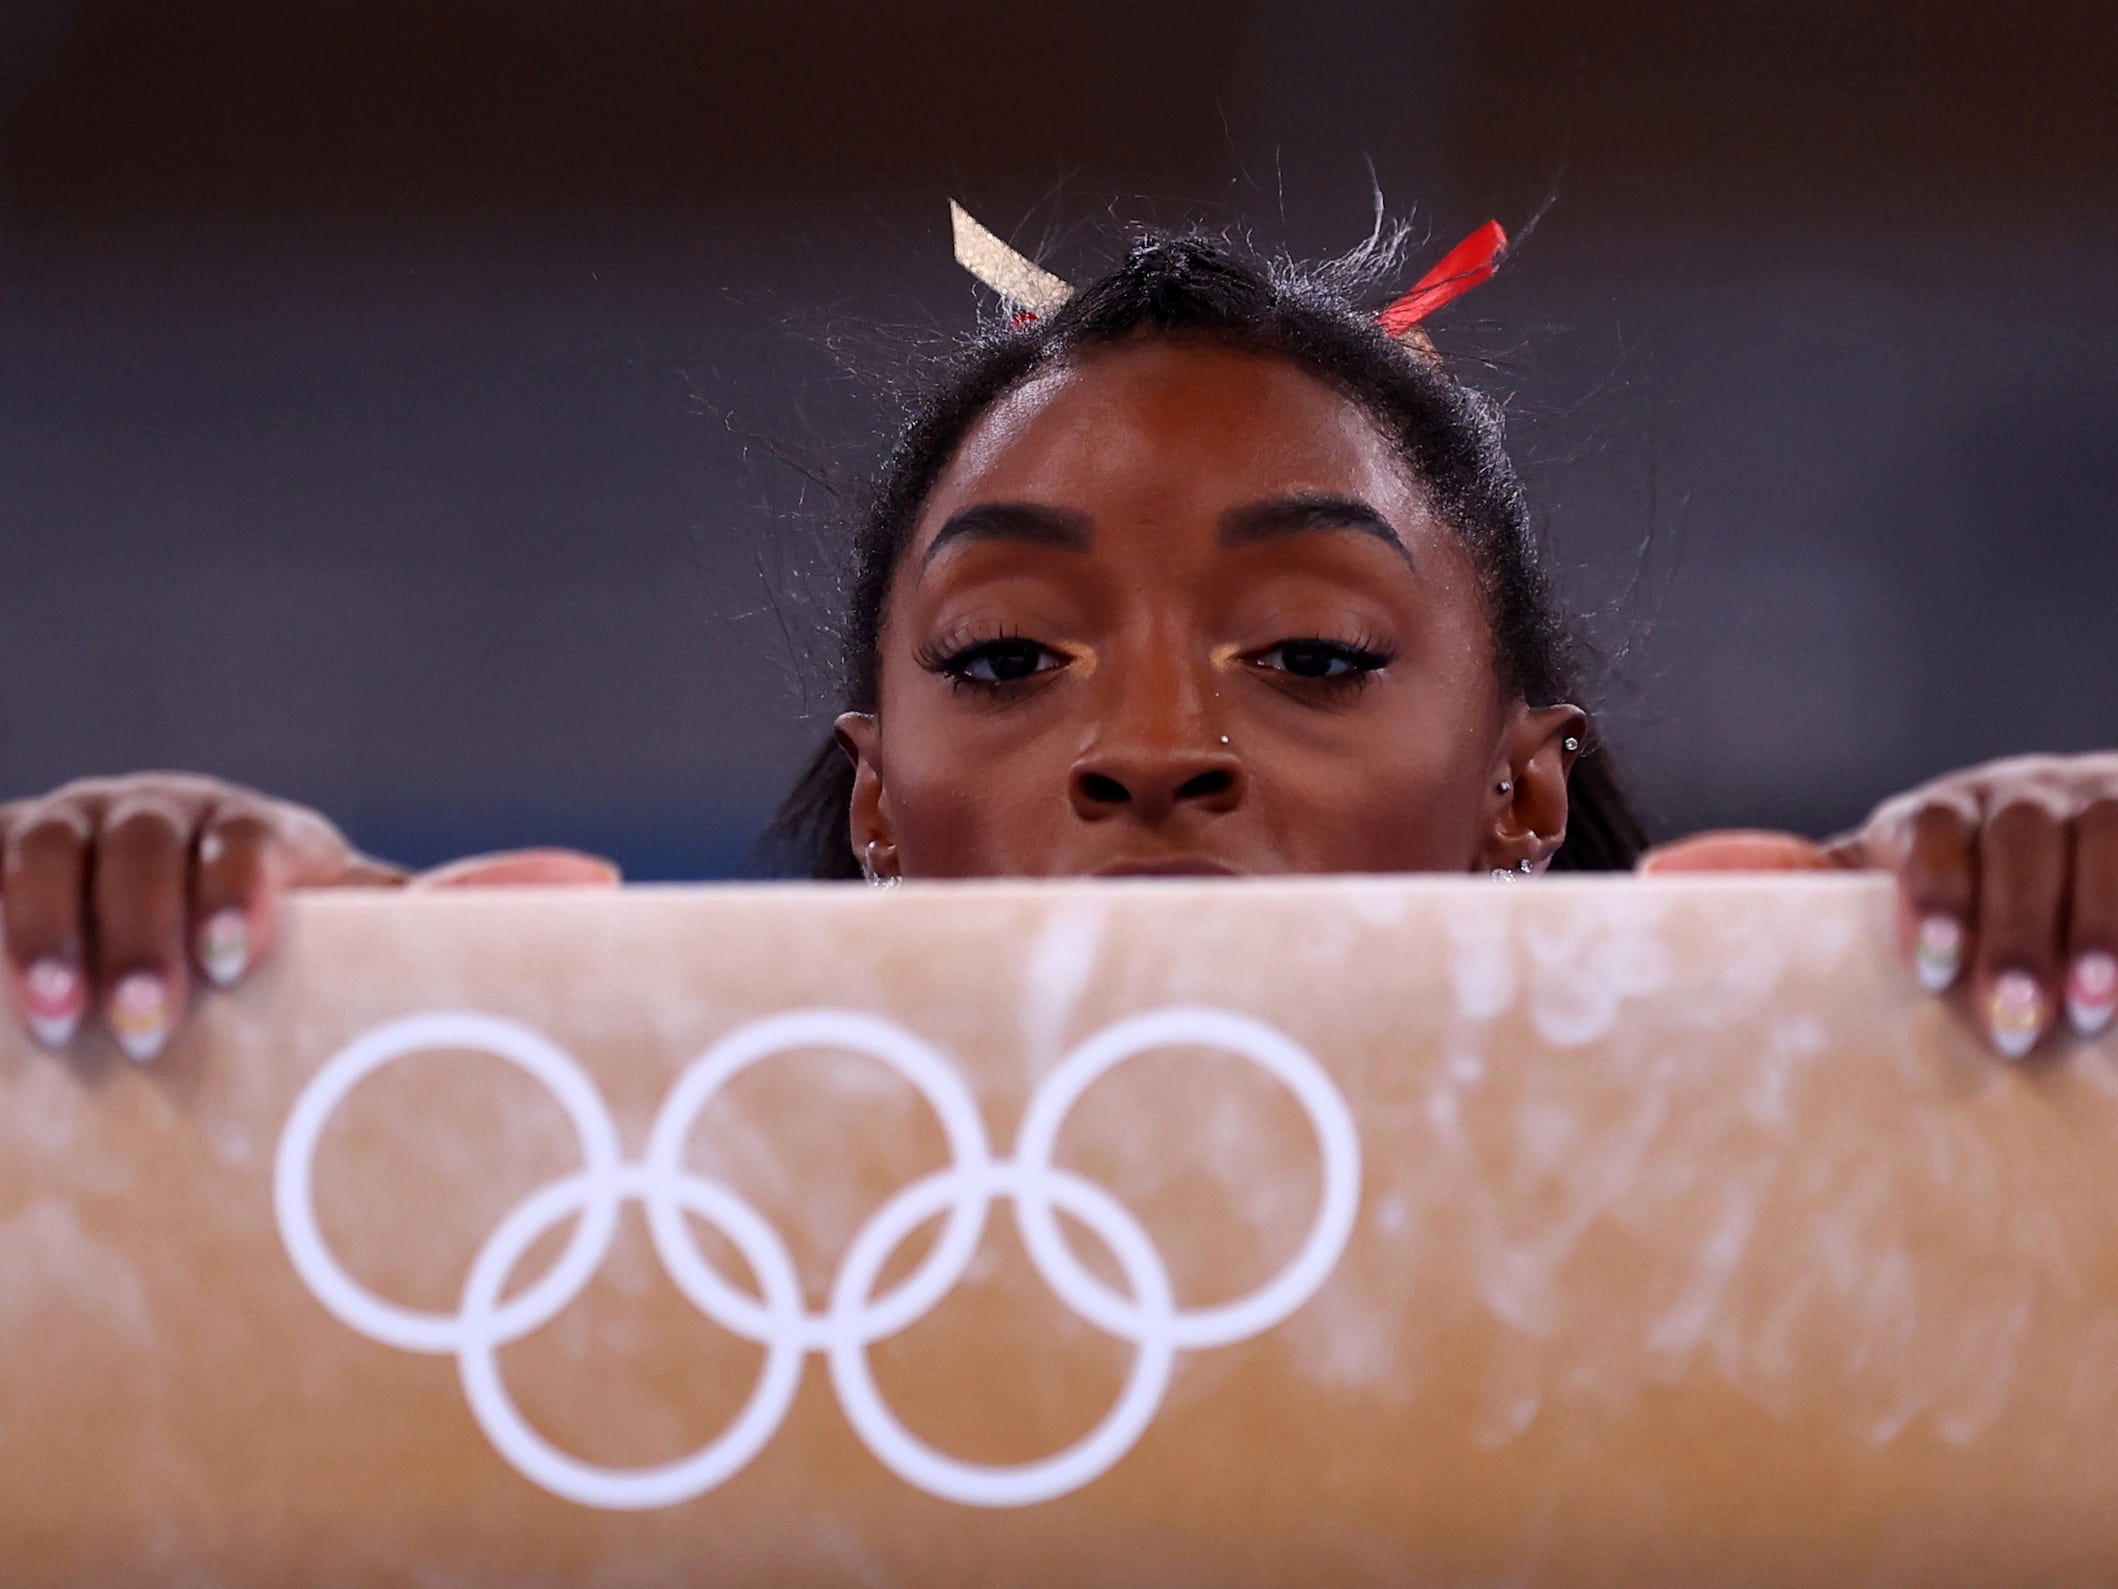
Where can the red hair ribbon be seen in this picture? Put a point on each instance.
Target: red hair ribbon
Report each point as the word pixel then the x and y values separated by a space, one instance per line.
pixel 1463 267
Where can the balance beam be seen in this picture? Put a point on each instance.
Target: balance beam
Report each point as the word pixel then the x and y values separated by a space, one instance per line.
pixel 1324 1231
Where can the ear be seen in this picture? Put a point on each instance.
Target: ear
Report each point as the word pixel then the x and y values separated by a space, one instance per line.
pixel 1527 797
pixel 868 826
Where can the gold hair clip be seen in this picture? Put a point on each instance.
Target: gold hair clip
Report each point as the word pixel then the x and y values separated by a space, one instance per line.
pixel 1021 285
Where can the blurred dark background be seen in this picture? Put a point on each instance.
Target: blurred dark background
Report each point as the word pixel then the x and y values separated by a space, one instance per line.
pixel 390 390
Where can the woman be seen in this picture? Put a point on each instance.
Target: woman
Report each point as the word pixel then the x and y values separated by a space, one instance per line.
pixel 1199 571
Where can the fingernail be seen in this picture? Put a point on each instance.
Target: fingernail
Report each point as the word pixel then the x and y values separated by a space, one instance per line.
pixel 55 994
pixel 224 946
pixel 139 1015
pixel 2092 991
pixel 2015 1013
pixel 1939 954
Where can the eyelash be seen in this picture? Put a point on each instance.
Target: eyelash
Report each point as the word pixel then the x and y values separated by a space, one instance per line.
pixel 1365 657
pixel 954 656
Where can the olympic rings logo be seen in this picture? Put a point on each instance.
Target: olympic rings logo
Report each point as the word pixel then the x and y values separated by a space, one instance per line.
pixel 854 1318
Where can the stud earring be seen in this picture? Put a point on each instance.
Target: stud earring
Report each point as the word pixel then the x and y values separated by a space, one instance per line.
pixel 1509 874
pixel 1507 786
pixel 1572 744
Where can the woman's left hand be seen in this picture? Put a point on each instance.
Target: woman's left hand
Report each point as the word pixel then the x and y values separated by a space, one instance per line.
pixel 2009 869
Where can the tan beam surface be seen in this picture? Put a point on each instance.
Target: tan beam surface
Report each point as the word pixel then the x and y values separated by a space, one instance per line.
pixel 1598 1233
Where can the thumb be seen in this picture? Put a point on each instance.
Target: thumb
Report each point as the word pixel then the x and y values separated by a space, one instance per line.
pixel 523 868
pixel 1739 851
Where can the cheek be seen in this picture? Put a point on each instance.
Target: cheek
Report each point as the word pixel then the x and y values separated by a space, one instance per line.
pixel 1389 806
pixel 970 793
pixel 1395 784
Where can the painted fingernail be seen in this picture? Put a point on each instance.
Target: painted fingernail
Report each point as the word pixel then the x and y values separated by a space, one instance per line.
pixel 2092 991
pixel 1939 954
pixel 139 1015
pixel 224 946
pixel 55 995
pixel 2015 1013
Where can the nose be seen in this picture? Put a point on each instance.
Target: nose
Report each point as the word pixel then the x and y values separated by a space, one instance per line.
pixel 1156 783
pixel 1157 753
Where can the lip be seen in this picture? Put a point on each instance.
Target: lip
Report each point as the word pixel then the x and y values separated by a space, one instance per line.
pixel 1170 866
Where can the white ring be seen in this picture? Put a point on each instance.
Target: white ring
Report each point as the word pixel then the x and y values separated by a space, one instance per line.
pixel 1336 1140
pixel 778 1318
pixel 293 1192
pixel 849 1031
pixel 1025 1483
pixel 630 1489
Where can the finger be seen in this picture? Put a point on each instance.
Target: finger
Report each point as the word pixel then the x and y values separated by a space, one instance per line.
pixel 1738 852
pixel 41 886
pixel 1937 887
pixel 137 891
pixel 364 871
pixel 524 868
pixel 234 893
pixel 2023 863
pixel 2092 932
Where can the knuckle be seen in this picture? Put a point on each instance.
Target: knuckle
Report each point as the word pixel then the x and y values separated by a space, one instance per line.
pixel 1936 863
pixel 50 824
pixel 244 825
pixel 49 834
pixel 236 838
pixel 1939 824
pixel 2098 818
pixel 2025 819
pixel 141 825
pixel 88 793
pixel 2041 767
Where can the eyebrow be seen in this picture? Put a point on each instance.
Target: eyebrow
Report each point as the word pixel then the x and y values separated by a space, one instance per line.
pixel 1304 513
pixel 1274 518
pixel 1029 522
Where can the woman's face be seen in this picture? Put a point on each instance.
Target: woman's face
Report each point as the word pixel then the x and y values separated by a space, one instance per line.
pixel 1178 608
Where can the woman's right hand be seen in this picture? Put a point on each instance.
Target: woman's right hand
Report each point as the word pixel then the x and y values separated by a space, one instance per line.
pixel 120 894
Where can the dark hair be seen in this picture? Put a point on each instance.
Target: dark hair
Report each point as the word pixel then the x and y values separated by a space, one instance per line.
pixel 1449 434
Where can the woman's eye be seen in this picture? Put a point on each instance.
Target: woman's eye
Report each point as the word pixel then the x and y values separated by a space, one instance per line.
pixel 1320 659
pixel 1003 661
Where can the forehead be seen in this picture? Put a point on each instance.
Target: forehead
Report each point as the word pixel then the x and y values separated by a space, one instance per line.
pixel 1168 429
